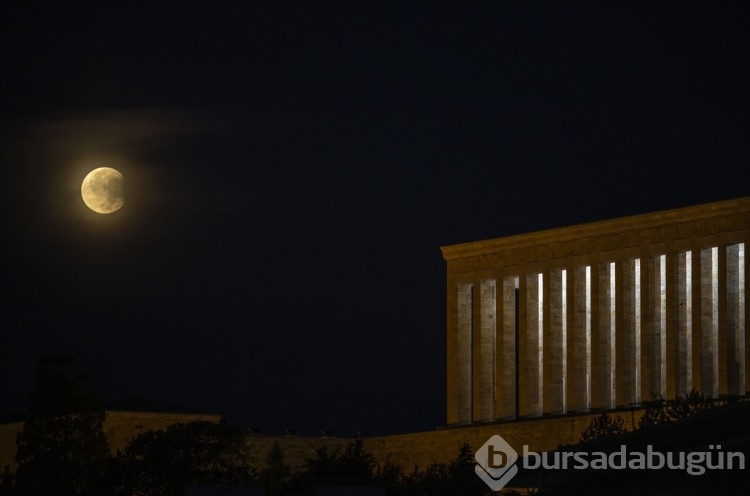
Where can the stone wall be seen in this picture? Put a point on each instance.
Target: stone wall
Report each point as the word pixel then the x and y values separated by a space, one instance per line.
pixel 119 427
pixel 418 450
pixel 411 451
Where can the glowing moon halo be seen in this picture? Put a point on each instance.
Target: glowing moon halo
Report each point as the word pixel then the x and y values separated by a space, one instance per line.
pixel 102 190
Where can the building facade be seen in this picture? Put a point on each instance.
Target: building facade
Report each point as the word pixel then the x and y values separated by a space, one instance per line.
pixel 598 316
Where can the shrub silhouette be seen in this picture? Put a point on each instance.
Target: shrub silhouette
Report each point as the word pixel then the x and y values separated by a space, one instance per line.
pixel 603 426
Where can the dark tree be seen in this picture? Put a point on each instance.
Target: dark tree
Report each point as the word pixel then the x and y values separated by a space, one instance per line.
pixel 389 473
pixel 276 475
pixel 456 478
pixel 662 412
pixel 462 470
pixel 655 414
pixel 62 448
pixel 603 426
pixel 324 464
pixel 687 406
pixel 160 463
pixel 354 463
pixel 434 480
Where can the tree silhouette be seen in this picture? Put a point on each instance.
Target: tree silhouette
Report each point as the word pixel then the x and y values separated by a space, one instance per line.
pixel 62 449
pixel 661 412
pixel 456 478
pixel 353 463
pixel 687 406
pixel 160 463
pixel 389 473
pixel 603 426
pixel 655 414
pixel 277 473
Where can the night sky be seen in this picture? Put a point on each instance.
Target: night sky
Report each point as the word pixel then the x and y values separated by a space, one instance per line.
pixel 292 169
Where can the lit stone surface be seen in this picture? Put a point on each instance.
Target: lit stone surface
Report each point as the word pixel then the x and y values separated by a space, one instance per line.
pixel 653 306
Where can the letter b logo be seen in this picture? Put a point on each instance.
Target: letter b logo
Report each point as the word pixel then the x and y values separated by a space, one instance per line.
pixel 496 459
pixel 496 463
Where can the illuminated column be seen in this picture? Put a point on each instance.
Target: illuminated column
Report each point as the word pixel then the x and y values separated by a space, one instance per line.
pixel 735 320
pixel 555 305
pixel 597 375
pixel 672 333
pixel 637 329
pixel 743 284
pixel 579 342
pixel 522 384
pixel 463 352
pixel 484 353
pixel 647 345
pixel 629 334
pixel 506 370
pixel 709 383
pixel 722 337
pixel 603 342
pixel 654 339
pixel 534 342
pixel 684 378
pixel 697 326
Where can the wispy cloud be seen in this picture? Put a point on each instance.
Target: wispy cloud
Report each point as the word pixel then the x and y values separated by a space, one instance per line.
pixel 107 130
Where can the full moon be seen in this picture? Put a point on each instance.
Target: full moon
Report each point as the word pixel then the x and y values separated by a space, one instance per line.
pixel 102 190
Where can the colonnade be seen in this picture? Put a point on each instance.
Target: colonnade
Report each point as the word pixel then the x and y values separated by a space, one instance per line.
pixel 532 333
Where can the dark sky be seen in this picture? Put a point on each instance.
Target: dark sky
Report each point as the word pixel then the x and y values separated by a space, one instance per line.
pixel 292 169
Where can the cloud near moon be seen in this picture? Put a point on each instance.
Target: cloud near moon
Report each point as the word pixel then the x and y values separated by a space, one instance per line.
pixel 102 190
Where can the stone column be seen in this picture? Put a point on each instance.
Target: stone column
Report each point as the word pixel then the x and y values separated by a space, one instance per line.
pixel 655 343
pixel 599 368
pixel 534 320
pixel 672 352
pixel 722 334
pixel 696 360
pixel 603 367
pixel 735 320
pixel 684 268
pixel 463 370
pixel 709 322
pixel 628 333
pixel 484 352
pixel 744 279
pixel 506 354
pixel 555 314
pixel 579 340
pixel 522 356
pixel 451 379
pixel 647 326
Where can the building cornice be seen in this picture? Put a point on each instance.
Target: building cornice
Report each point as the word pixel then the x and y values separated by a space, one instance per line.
pixel 599 228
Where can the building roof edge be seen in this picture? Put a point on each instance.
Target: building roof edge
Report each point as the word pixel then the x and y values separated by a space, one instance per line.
pixel 598 228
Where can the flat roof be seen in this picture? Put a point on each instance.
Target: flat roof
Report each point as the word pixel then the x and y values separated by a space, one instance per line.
pixel 598 228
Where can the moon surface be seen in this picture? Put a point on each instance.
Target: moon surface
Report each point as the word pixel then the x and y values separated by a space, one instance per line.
pixel 102 190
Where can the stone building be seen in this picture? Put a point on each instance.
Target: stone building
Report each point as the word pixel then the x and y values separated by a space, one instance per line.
pixel 123 421
pixel 599 315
